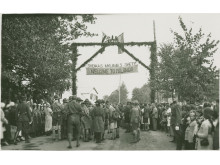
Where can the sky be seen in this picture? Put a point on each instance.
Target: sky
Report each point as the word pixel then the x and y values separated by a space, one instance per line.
pixel 137 28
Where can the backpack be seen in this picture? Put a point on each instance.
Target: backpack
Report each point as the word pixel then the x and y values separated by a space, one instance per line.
pixel 115 115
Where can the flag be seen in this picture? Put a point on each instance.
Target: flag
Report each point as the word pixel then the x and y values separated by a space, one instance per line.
pixel 121 40
pixel 103 37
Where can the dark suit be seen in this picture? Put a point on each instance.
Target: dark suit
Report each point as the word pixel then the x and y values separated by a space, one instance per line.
pixel 176 121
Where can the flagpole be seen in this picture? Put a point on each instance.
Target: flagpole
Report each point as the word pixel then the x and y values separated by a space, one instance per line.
pixel 119 88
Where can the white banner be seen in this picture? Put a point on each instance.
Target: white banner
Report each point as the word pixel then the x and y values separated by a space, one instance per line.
pixel 111 69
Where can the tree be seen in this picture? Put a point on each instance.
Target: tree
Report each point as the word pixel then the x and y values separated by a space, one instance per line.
pixel 142 95
pixel 187 64
pixel 105 97
pixel 114 97
pixel 35 50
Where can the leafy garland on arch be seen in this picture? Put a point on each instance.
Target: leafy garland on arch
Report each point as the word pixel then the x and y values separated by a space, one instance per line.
pixel 121 45
pixel 101 50
pixel 74 61
pixel 114 44
pixel 135 58
pixel 153 66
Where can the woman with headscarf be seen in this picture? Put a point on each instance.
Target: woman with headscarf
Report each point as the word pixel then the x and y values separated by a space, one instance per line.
pixel 48 118
pixel 190 131
pixel 205 132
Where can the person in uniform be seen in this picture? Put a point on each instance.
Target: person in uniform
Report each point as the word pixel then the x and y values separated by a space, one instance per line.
pixel 39 121
pixel 98 116
pixel 118 115
pixel 176 124
pixel 107 117
pixel 154 117
pixel 135 121
pixel 86 121
pixel 64 120
pixel 56 118
pixel 113 122
pixel 35 121
pixel 42 113
pixel 127 111
pixel 146 115
pixel 23 120
pixel 74 112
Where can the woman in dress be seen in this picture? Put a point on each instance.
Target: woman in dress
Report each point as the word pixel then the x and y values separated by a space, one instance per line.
pixel 48 119
pixel 204 134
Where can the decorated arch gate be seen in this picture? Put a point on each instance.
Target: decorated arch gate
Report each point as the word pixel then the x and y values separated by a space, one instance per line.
pixel 121 46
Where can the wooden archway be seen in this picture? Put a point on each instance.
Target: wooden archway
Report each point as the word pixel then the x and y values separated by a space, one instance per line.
pixel 151 68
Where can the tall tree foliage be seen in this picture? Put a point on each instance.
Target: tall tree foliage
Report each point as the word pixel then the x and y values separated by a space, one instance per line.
pixel 114 97
pixel 35 50
pixel 187 64
pixel 142 95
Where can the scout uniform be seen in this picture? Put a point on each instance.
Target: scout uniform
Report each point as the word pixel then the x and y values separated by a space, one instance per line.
pixel 98 121
pixel 135 121
pixel 64 120
pixel 56 118
pixel 74 111
pixel 23 118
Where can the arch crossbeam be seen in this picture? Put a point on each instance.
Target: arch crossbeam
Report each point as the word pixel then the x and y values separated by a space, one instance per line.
pixel 114 44
pixel 90 59
pixel 132 56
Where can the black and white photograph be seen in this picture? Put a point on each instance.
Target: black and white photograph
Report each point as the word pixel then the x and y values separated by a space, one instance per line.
pixel 122 82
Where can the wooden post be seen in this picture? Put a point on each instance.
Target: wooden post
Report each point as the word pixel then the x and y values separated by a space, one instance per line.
pixel 74 61
pixel 153 64
pixel 152 72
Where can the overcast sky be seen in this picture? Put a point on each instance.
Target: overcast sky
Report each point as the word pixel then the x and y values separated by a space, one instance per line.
pixel 137 28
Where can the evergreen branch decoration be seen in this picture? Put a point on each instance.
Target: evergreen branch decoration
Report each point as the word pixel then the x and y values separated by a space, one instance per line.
pixel 114 44
pixel 132 56
pixel 153 65
pixel 101 50
pixel 74 59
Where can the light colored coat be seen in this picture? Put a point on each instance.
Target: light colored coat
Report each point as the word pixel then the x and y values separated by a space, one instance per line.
pixel 190 131
pixel 205 132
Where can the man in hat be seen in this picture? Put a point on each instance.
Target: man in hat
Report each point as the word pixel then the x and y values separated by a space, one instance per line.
pixel 107 115
pixel 74 112
pixel 176 124
pixel 23 120
pixel 127 111
pixel 64 120
pixel 56 120
pixel 98 121
pixel 86 121
pixel 112 122
pixel 135 119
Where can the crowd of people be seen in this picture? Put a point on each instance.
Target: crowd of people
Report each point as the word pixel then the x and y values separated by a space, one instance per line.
pixel 193 127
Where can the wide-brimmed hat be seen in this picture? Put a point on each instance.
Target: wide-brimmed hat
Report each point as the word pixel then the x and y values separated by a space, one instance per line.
pixel 78 99
pixel 56 97
pixel 135 102
pixel 87 101
pixel 65 100
pixel 98 102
